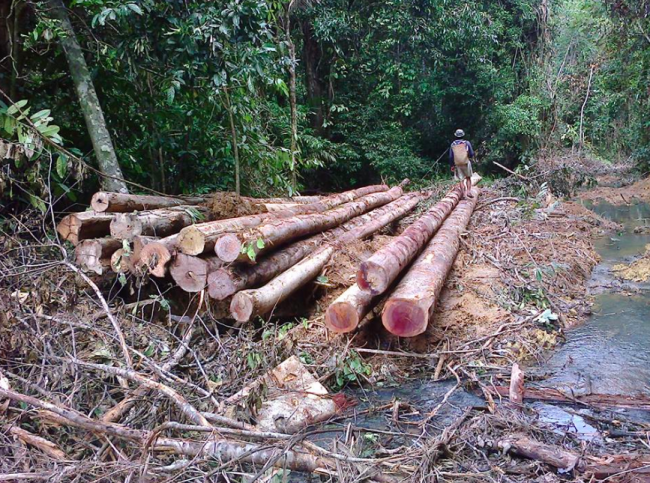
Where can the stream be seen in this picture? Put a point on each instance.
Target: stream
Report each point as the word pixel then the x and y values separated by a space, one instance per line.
pixel 610 353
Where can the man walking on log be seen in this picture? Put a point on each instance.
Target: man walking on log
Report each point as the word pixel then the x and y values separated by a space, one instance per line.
pixel 461 155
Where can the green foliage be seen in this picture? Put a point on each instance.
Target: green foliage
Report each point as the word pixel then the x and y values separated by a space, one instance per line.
pixel 350 369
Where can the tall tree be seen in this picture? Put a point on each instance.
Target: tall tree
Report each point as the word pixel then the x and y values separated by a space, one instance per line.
pixel 90 107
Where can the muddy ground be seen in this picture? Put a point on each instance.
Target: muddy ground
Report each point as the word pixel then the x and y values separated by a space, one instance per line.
pixel 519 281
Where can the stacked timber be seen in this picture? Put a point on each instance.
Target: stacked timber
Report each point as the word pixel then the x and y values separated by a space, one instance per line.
pixel 409 272
pixel 257 261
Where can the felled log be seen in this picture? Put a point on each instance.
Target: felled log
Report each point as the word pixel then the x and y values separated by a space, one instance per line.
pixel 408 309
pixel 229 280
pixel 124 203
pixel 81 226
pixel 348 310
pixel 155 256
pixel 226 281
pixel 551 455
pixel 121 261
pixel 248 303
pixel 200 238
pixel 246 247
pixel 91 255
pixel 378 272
pixel 160 223
pixel 191 273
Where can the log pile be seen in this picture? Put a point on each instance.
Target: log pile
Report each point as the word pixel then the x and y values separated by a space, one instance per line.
pixel 257 260
pixel 429 246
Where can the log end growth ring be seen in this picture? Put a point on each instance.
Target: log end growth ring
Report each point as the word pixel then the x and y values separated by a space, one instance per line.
pixel 100 202
pixel 189 273
pixel 220 284
pixel 242 307
pixel 228 247
pixel 404 318
pixel 154 258
pixel 341 317
pixel 191 241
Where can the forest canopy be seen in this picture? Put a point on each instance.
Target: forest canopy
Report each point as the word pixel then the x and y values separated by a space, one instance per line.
pixel 281 96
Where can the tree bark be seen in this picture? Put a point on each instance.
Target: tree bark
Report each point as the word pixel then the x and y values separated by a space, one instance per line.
pixel 88 224
pixel 90 254
pixel 191 273
pixel 246 247
pixel 103 201
pixel 248 303
pixel 90 106
pixel 155 256
pixel 408 309
pixel 201 238
pixel 348 310
pixel 378 272
pixel 160 223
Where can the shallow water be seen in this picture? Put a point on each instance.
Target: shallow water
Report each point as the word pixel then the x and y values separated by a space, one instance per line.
pixel 610 353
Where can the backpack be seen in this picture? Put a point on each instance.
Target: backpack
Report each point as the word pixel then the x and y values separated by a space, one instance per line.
pixel 461 153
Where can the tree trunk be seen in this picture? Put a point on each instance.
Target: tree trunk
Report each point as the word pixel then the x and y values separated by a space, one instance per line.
pixel 408 309
pixel 378 272
pixel 229 280
pixel 91 255
pixel 191 273
pixel 155 256
pixel 201 238
pixel 311 59
pixel 248 303
pixel 160 223
pixel 292 97
pixel 103 201
pixel 246 247
pixel 90 107
pixel 233 136
pixel 88 224
pixel 348 310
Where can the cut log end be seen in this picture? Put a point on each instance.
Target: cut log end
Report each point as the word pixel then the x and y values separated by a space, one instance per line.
pixel 404 318
pixel 242 307
pixel 341 317
pixel 191 241
pixel 153 259
pixel 372 277
pixel 221 285
pixel 189 273
pixel 100 201
pixel 228 247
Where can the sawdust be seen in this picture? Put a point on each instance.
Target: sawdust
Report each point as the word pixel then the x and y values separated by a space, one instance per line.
pixel 224 205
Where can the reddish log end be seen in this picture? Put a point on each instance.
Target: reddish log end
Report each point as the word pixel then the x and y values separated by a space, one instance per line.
pixel 404 318
pixel 220 284
pixel 242 306
pixel 190 273
pixel 153 259
pixel 341 317
pixel 228 247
